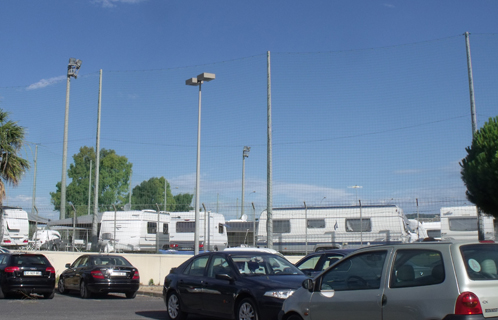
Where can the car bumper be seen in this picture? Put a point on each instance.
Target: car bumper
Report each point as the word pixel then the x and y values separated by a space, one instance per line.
pixel 269 308
pixel 465 317
pixel 31 287
pixel 112 287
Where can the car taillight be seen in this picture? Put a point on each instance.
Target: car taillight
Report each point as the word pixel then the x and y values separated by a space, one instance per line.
pixel 201 245
pixel 50 269
pixel 136 276
pixel 11 269
pixel 468 303
pixel 25 241
pixel 173 245
pixel 7 241
pixel 97 274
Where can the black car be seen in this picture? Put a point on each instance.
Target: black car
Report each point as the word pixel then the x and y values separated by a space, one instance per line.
pixel 231 284
pixel 316 262
pixel 100 274
pixel 26 273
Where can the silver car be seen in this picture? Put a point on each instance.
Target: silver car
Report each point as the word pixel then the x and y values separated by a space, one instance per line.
pixel 417 281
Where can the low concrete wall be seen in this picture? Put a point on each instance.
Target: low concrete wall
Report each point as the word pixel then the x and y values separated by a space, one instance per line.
pixel 150 266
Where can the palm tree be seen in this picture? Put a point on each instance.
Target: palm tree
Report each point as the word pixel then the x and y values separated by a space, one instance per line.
pixel 12 167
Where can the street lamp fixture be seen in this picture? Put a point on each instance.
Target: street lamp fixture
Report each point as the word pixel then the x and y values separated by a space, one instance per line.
pixel 203 77
pixel 245 154
pixel 72 71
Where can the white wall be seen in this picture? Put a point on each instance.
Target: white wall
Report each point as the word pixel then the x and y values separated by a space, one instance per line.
pixel 150 266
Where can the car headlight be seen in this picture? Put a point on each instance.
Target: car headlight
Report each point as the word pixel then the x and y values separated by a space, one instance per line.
pixel 279 294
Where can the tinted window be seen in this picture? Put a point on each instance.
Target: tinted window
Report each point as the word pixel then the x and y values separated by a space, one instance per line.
pixel 281 226
pixel 358 225
pixel 185 226
pixel 219 265
pixel 29 259
pixel 414 268
pixel 463 224
pixel 110 260
pixel 263 264
pixel 151 227
pixel 165 228
pixel 481 261
pixel 196 268
pixel 316 223
pixel 434 233
pixel 359 272
pixel 3 259
pixel 309 264
pixel 220 228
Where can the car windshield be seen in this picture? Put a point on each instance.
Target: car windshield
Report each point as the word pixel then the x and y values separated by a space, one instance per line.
pixel 111 260
pixel 263 264
pixel 29 260
pixel 481 261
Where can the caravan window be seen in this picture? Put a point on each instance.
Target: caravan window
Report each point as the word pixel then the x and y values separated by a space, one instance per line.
pixel 463 224
pixel 165 228
pixel 281 226
pixel 220 228
pixel 358 225
pixel 316 223
pixel 151 227
pixel 185 226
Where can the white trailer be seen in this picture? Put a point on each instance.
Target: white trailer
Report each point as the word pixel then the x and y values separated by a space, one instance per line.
pixel 212 231
pixel 461 223
pixel 433 229
pixel 301 230
pixel 15 228
pixel 131 231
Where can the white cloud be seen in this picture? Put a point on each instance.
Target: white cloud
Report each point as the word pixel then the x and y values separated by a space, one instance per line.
pixel 388 5
pixel 45 83
pixel 114 3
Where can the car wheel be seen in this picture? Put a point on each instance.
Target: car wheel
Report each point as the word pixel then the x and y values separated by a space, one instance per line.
pixel 294 317
pixel 246 310
pixel 1 294
pixel 84 293
pixel 173 306
pixel 131 295
pixel 60 286
pixel 49 295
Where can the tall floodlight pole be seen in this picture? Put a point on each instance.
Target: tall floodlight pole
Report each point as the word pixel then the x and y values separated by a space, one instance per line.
pixel 203 77
pixel 33 199
pixel 245 154
pixel 269 194
pixel 72 71
pixel 480 226
pixel 95 222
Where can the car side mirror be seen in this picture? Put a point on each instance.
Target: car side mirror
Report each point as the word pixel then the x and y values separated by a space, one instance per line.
pixel 308 285
pixel 224 276
pixel 68 265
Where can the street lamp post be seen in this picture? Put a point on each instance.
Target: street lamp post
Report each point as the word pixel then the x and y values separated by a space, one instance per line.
pixel 245 154
pixel 72 71
pixel 198 82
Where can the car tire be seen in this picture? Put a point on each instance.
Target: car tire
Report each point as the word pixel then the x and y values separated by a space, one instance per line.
pixel 246 310
pixel 131 295
pixel 84 293
pixel 294 317
pixel 60 286
pixel 174 311
pixel 1 294
pixel 49 295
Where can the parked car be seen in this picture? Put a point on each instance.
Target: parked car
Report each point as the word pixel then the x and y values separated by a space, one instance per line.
pixel 26 273
pixel 100 274
pixel 243 284
pixel 424 280
pixel 315 262
pixel 4 250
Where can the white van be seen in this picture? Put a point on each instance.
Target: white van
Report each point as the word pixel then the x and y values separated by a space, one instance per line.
pixel 131 231
pixel 46 239
pixel 300 230
pixel 15 228
pixel 212 231
pixel 460 223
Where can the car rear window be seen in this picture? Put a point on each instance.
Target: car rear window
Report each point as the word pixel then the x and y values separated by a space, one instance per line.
pixel 481 261
pixel 29 260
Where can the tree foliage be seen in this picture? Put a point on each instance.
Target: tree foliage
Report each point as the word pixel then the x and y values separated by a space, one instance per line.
pixel 151 192
pixel 114 178
pixel 12 166
pixel 480 168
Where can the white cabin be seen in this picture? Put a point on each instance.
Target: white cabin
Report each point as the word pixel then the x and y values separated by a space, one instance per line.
pixel 131 231
pixel 212 231
pixel 300 230
pixel 460 223
pixel 15 228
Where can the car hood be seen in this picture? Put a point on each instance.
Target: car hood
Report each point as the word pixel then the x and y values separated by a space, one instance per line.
pixel 279 281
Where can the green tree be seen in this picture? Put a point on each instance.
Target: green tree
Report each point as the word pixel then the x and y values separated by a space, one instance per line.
pixel 183 201
pixel 114 178
pixel 150 192
pixel 12 166
pixel 480 168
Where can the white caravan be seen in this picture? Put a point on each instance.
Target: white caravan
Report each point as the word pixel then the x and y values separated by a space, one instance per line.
pixel 461 223
pixel 334 227
pixel 47 239
pixel 15 228
pixel 433 229
pixel 212 232
pixel 130 231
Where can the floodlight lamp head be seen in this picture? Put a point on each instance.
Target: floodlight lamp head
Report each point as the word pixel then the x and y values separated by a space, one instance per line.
pixel 204 77
pixel 73 67
pixel 191 82
pixel 246 151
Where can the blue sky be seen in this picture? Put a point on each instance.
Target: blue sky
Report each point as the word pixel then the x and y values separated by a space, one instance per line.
pixel 146 47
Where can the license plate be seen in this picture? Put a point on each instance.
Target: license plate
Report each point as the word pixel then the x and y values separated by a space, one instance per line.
pixel 32 273
pixel 118 274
